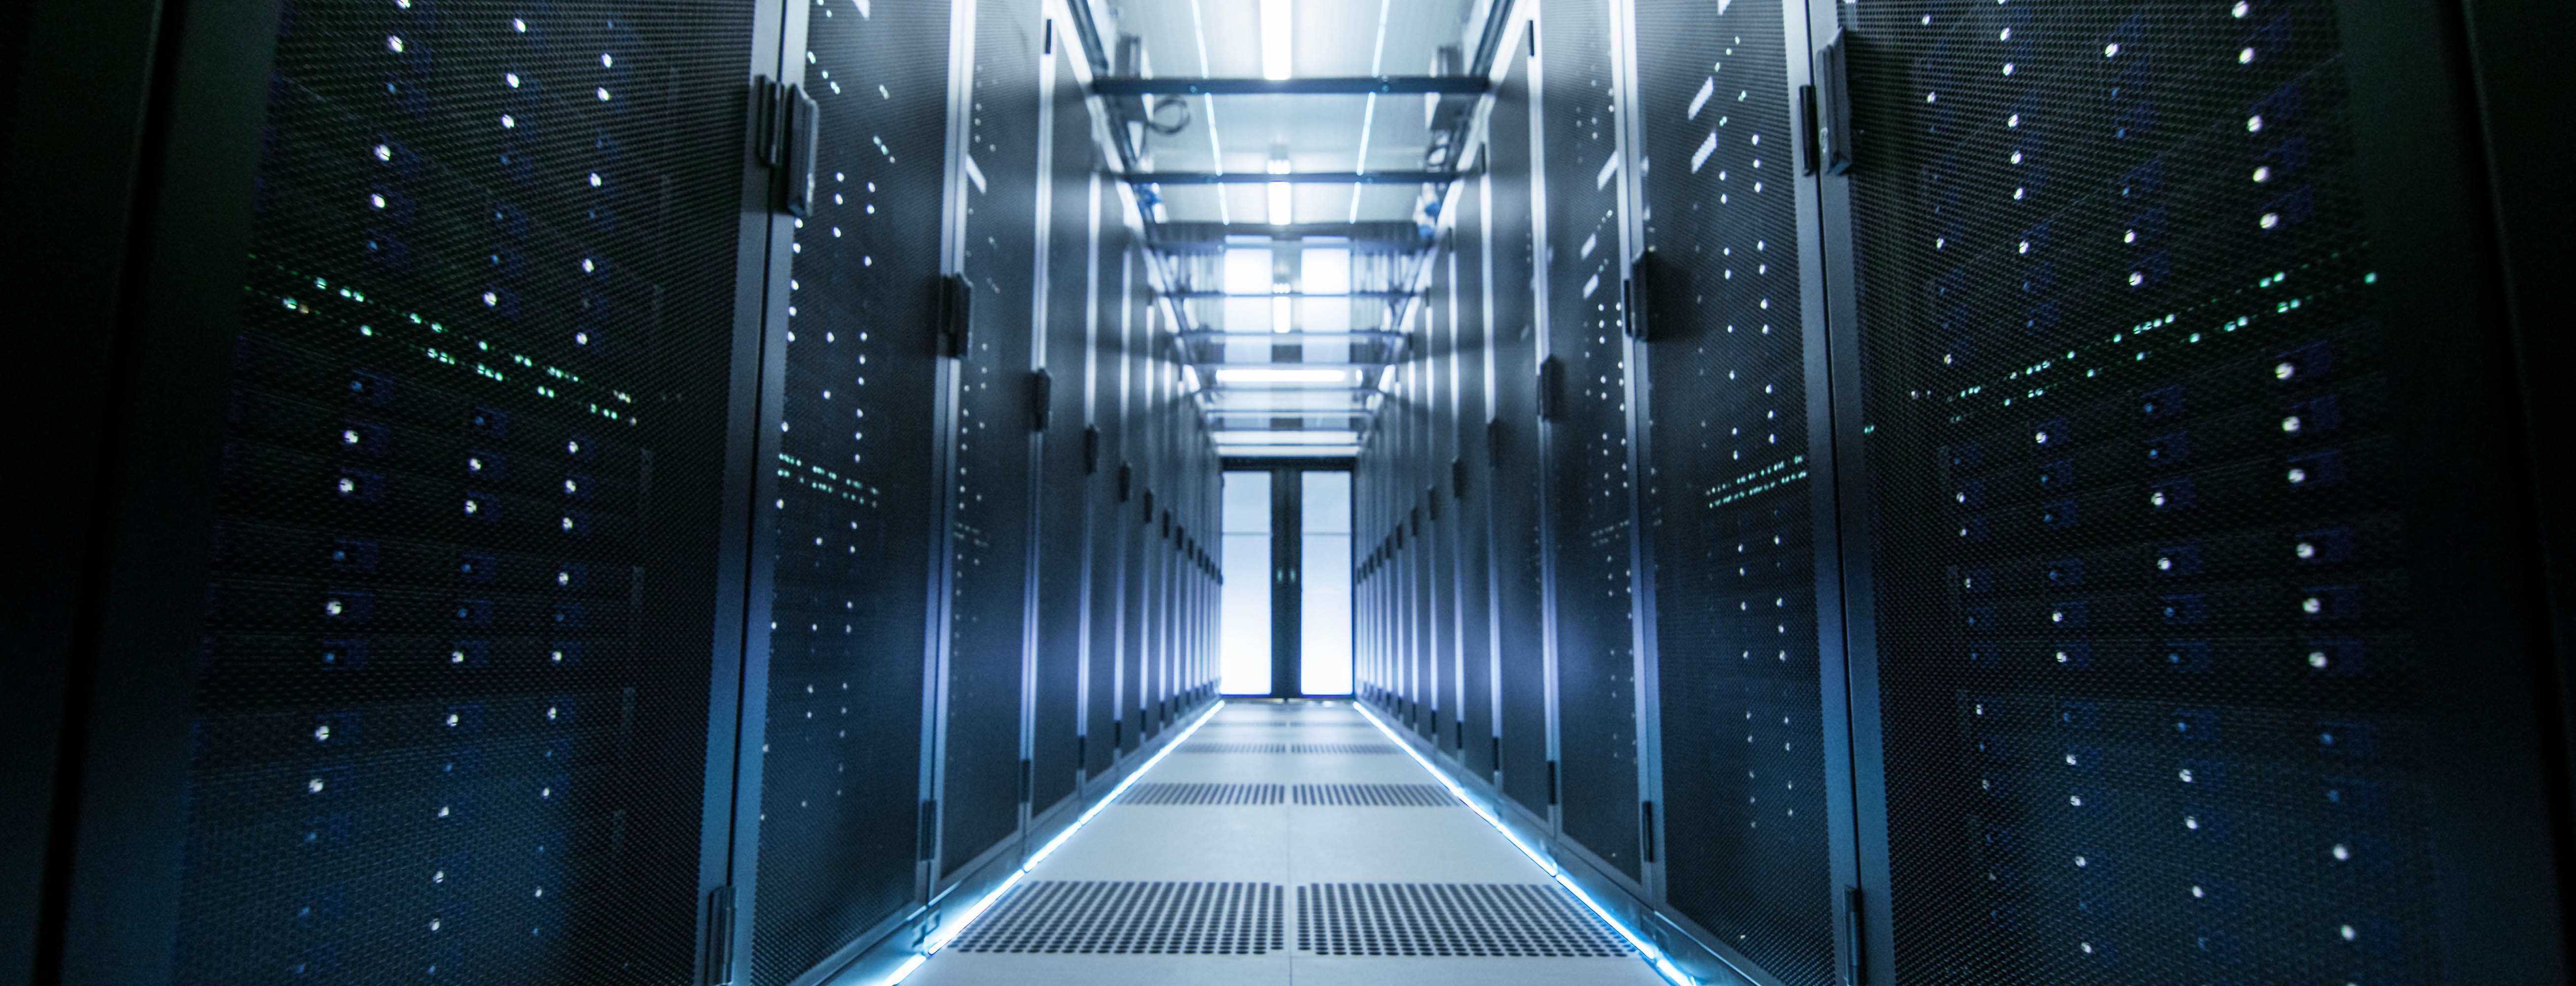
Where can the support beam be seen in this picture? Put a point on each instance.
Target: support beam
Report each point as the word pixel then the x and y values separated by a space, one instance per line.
pixel 1351 86
pixel 1294 178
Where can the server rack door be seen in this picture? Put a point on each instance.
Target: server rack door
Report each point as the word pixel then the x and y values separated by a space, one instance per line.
pixel 1061 508
pixel 1471 483
pixel 434 492
pixel 1136 527
pixel 1406 497
pixel 1370 616
pixel 1519 581
pixel 75 81
pixel 2195 616
pixel 1419 641
pixel 1106 576
pixel 1730 490
pixel 1176 432
pixel 1149 609
pixel 849 508
pixel 990 501
pixel 1445 507
pixel 1439 520
pixel 1589 496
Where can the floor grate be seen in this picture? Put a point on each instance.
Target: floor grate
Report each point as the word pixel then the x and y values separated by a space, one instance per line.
pixel 1204 746
pixel 1366 749
pixel 1537 920
pixel 1375 795
pixel 1094 917
pixel 1205 794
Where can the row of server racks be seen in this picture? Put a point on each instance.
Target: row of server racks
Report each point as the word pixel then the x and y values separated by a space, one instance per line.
pixel 2000 491
pixel 572 491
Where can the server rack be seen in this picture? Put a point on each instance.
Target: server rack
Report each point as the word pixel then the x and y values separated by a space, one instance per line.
pixel 515 541
pixel 2267 518
pixel 2059 259
pixel 829 823
pixel 1589 492
pixel 412 533
pixel 1734 502
pixel 1059 394
pixel 1105 488
pixel 1471 478
pixel 1528 763
pixel 1468 485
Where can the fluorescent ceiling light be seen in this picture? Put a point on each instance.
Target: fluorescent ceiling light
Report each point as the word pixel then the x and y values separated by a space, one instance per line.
pixel 1283 201
pixel 1283 376
pixel 1277 31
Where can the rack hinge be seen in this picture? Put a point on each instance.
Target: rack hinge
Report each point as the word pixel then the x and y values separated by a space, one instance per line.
pixel 929 828
pixel 1647 814
pixel 1041 398
pixel 1551 388
pixel 1855 972
pixel 719 949
pixel 1635 293
pixel 785 122
pixel 956 315
pixel 1833 130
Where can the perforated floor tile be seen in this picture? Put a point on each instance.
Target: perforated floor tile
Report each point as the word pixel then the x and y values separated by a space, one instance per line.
pixel 1375 795
pixel 1128 918
pixel 1450 919
pixel 1204 794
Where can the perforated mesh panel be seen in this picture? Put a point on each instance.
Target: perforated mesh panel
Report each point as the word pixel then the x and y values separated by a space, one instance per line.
pixel 1475 549
pixel 1135 517
pixel 1061 512
pixel 1727 490
pixel 1345 749
pixel 1588 489
pixel 1107 535
pixel 1425 389
pixel 1519 585
pixel 1060 917
pixel 990 502
pixel 1531 920
pixel 1203 746
pixel 1376 795
pixel 1204 794
pixel 451 705
pixel 2144 669
pixel 846 526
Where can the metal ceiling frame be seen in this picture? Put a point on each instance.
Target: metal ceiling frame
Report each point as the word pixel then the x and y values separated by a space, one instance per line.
pixel 1124 98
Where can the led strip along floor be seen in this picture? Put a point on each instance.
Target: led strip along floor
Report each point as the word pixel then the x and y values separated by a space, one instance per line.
pixel 940 940
pixel 1653 956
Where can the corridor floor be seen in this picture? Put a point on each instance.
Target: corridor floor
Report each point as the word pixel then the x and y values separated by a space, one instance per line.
pixel 1287 843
